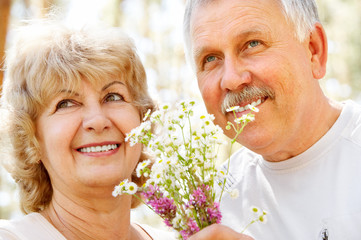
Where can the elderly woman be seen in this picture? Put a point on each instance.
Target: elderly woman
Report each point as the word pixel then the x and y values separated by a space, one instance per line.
pixel 72 95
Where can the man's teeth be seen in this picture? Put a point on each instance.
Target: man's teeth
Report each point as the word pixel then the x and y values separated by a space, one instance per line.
pixel 253 104
pixel 95 149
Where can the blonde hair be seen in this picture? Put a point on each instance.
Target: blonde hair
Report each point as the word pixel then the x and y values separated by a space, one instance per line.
pixel 45 57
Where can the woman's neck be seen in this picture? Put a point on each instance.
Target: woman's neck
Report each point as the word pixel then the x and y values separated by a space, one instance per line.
pixel 107 218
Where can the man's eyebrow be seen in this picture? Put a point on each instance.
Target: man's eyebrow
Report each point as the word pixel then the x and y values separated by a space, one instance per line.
pixel 112 83
pixel 198 52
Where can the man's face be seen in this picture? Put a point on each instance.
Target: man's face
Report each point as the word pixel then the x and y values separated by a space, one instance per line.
pixel 241 44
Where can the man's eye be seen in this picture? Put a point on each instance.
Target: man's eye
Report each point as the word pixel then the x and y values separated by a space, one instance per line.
pixel 210 59
pixel 65 104
pixel 110 97
pixel 253 44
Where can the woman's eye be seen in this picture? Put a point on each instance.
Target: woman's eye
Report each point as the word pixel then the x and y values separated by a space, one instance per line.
pixel 110 97
pixel 65 104
pixel 210 59
pixel 253 44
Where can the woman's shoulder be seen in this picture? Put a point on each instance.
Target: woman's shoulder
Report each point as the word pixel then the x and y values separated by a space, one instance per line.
pixel 31 226
pixel 13 229
pixel 8 231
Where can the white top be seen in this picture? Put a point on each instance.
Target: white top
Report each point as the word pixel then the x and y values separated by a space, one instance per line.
pixel 31 226
pixel 35 227
pixel 314 194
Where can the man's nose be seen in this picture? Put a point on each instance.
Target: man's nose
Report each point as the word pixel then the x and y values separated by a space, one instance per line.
pixel 235 75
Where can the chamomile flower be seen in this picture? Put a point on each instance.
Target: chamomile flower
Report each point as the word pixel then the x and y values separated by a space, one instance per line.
pixel 120 188
pixel 117 191
pixel 177 220
pixel 221 174
pixel 260 215
pixel 253 108
pixel 245 118
pixel 131 188
pixel 263 218
pixel 234 193
pixel 232 109
pixel 141 167
pixel 255 210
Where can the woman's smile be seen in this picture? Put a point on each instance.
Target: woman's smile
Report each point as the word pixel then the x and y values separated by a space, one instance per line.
pixel 105 147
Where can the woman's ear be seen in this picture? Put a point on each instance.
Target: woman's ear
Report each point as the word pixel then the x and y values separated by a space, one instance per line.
pixel 318 49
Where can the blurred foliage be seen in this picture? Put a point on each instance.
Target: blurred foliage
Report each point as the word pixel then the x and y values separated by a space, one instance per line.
pixel 156 27
pixel 342 21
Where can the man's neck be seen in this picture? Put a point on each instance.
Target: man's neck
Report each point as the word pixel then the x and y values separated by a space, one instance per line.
pixel 311 131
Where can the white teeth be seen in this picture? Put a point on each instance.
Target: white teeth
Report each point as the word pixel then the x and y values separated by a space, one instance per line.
pixel 103 148
pixel 253 104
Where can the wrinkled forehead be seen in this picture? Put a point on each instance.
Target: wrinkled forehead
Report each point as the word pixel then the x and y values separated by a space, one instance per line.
pixel 229 17
pixel 218 9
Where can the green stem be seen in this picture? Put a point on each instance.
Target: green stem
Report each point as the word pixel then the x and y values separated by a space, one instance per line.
pixel 140 199
pixel 249 224
pixel 238 130
pixel 225 179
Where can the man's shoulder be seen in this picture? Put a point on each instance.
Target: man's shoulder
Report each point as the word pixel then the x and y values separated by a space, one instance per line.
pixel 353 107
pixel 241 162
pixel 353 130
pixel 244 157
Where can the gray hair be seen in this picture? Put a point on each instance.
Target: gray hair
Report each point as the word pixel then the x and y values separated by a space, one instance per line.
pixel 303 14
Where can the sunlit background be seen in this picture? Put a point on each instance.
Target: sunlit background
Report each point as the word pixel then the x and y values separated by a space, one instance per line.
pixel 156 27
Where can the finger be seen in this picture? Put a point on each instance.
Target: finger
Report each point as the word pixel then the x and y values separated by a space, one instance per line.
pixel 219 232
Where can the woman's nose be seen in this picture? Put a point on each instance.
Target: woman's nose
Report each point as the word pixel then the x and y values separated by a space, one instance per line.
pixel 96 120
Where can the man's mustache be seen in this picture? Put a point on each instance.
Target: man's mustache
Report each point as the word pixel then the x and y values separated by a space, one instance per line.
pixel 247 95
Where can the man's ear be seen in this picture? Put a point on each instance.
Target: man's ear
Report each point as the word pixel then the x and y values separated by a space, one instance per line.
pixel 318 49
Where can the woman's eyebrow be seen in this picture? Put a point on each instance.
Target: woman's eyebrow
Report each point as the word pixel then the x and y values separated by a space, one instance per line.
pixel 103 89
pixel 112 83
pixel 69 92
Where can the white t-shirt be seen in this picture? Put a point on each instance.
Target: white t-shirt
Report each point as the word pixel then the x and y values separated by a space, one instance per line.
pixel 314 194
pixel 35 227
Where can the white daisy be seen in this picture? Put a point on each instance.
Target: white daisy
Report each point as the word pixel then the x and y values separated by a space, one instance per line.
pixel 132 188
pixel 234 193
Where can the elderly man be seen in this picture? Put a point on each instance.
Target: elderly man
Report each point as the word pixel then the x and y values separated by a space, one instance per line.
pixel 301 159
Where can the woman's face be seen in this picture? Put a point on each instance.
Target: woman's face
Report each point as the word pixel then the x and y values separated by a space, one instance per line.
pixel 81 135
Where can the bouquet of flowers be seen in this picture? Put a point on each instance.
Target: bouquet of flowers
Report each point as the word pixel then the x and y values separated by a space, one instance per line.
pixel 182 180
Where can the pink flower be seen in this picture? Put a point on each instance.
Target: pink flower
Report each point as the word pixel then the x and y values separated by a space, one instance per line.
pixel 192 229
pixel 198 197
pixel 214 213
pixel 162 206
